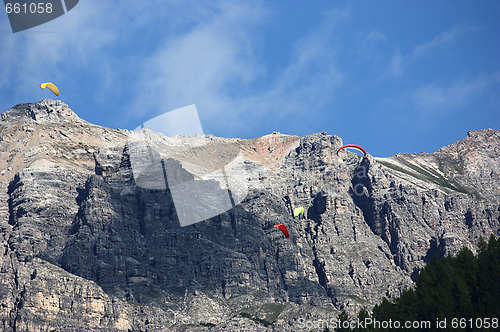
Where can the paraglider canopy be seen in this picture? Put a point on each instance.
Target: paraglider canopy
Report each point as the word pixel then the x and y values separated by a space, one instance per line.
pixel 283 229
pixel 298 211
pixel 352 146
pixel 51 87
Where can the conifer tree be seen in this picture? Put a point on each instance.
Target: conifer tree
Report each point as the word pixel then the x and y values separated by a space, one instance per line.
pixel 464 286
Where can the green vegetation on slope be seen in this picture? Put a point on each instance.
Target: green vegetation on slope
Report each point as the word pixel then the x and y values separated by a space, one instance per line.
pixel 464 290
pixel 426 174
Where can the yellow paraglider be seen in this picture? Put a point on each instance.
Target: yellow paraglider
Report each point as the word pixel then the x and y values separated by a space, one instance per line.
pixel 298 211
pixel 51 87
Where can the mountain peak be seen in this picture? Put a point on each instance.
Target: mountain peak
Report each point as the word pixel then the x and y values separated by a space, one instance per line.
pixel 103 231
pixel 44 111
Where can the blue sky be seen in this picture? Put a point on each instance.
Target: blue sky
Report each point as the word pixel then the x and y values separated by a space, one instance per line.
pixel 391 76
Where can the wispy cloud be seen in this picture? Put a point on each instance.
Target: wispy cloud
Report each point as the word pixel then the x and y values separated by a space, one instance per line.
pixel 399 61
pixel 200 65
pixel 311 72
pixel 221 67
pixel 74 40
pixel 434 100
pixel 375 36
pixel 211 57
pixel 439 99
pixel 444 38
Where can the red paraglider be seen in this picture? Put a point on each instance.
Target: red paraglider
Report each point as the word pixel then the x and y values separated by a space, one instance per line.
pixel 283 229
pixel 352 146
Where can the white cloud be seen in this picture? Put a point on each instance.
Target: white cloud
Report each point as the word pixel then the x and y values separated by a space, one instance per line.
pixel 438 99
pixel 74 40
pixel 445 37
pixel 375 36
pixel 399 62
pixel 208 54
pixel 200 64
pixel 208 63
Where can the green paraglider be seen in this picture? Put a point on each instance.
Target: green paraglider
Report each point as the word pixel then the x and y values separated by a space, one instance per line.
pixel 298 211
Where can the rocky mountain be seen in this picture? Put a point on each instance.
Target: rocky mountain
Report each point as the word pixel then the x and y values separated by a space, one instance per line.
pixel 89 245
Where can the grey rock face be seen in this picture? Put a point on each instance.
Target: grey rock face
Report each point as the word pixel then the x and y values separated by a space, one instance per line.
pixel 426 204
pixel 42 205
pixel 45 111
pixel 93 248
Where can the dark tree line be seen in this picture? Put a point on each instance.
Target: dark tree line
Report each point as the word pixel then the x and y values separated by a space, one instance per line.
pixel 464 290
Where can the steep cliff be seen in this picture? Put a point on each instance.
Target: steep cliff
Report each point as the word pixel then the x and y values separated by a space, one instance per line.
pixel 86 247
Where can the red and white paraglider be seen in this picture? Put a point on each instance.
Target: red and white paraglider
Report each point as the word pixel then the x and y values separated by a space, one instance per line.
pixel 355 146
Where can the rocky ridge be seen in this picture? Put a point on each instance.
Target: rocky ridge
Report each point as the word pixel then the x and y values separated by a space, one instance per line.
pixel 85 248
